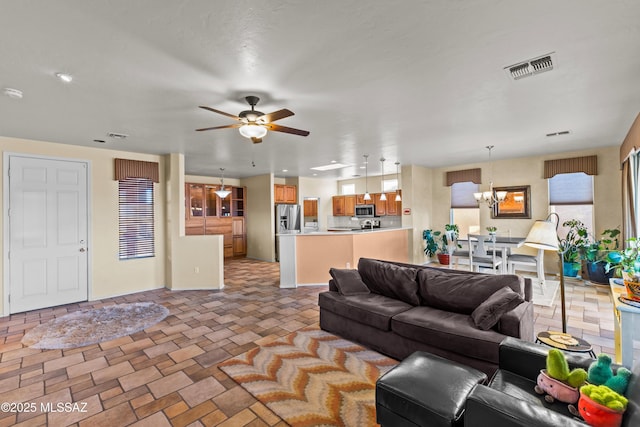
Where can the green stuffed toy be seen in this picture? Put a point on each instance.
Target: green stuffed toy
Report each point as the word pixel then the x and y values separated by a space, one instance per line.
pixel 600 373
pixel 604 396
pixel 558 368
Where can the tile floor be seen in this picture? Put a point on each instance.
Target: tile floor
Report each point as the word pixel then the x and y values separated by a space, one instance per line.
pixel 167 374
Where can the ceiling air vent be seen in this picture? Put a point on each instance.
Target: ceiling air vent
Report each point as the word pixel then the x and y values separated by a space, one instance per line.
pixel 531 66
pixel 117 135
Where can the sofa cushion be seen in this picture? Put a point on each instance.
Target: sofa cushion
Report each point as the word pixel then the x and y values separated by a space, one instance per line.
pixel 462 293
pixel 453 332
pixel 487 314
pixel 390 280
pixel 348 281
pixel 371 309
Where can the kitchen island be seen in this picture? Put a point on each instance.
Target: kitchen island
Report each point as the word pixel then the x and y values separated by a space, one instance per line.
pixel 305 258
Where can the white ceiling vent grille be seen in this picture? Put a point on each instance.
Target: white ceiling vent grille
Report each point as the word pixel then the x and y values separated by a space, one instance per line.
pixel 531 66
pixel 117 135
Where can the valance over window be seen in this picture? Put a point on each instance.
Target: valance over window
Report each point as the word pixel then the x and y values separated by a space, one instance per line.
pixel 467 175
pixel 587 164
pixel 125 168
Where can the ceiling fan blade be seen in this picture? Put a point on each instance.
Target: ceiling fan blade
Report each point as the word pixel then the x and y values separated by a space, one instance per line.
pixel 220 112
pixel 285 129
pixel 256 140
pixel 276 115
pixel 235 125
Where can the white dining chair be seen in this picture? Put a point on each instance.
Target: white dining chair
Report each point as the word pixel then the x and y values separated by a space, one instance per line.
pixel 482 253
pixel 461 255
pixel 537 261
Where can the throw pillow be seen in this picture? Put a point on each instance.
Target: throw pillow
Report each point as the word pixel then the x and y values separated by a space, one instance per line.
pixel 487 314
pixel 348 282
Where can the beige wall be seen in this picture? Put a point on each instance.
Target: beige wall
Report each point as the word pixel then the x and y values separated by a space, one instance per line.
pixel 322 188
pixel 260 217
pixel 193 262
pixel 108 275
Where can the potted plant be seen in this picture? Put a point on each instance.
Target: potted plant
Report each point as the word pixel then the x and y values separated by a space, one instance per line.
pixel 492 230
pixel 626 263
pixel 571 246
pixel 441 244
pixel 596 255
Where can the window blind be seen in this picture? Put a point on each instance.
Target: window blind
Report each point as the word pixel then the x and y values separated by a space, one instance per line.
pixel 135 214
pixel 462 195
pixel 571 189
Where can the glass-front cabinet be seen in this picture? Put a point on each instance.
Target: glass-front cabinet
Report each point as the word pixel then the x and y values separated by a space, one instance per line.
pixel 207 213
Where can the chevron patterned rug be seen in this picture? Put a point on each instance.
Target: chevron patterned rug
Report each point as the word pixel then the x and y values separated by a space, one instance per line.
pixel 312 378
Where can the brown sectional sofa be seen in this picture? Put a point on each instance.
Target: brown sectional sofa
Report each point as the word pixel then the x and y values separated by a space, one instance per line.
pixel 397 309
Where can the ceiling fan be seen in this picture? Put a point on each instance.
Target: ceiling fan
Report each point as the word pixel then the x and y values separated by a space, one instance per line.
pixel 254 124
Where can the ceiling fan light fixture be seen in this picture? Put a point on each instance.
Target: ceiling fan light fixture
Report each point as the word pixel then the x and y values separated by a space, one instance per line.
pixel 252 130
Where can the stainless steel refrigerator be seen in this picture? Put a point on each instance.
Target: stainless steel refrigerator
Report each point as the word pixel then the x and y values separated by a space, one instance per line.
pixel 287 221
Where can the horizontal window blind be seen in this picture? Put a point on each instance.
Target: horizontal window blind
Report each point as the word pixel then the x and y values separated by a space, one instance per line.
pixel 462 195
pixel 571 189
pixel 135 215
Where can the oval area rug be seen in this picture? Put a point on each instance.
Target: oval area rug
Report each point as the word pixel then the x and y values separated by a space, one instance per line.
pixel 96 325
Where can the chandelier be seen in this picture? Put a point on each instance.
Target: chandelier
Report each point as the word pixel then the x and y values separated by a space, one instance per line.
pixel 490 197
pixel 222 193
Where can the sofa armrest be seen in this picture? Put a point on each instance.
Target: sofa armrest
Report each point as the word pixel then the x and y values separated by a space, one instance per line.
pixel 518 322
pixel 488 407
pixel 527 359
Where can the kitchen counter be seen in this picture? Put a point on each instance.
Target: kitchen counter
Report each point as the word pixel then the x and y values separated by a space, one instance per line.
pixel 305 258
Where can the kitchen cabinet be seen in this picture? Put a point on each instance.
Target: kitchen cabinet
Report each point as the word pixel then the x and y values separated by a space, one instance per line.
pixel 381 205
pixel 393 207
pixel 206 213
pixel 338 206
pixel 310 208
pixel 360 199
pixel 350 205
pixel 285 193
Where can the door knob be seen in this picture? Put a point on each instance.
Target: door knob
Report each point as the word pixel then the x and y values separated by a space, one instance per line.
pixel 82 249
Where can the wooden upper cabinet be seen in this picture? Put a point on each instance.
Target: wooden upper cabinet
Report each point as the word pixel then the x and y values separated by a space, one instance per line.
pixel 360 199
pixel 338 206
pixel 381 205
pixel 285 193
pixel 350 205
pixel 393 207
pixel 310 207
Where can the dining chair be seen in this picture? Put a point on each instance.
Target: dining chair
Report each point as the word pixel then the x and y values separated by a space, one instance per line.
pixel 528 260
pixel 461 255
pixel 483 254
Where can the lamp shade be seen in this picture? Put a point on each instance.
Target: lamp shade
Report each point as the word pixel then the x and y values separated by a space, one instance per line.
pixel 252 130
pixel 543 236
pixel 223 193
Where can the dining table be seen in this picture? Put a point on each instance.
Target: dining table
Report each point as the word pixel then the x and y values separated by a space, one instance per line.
pixel 502 243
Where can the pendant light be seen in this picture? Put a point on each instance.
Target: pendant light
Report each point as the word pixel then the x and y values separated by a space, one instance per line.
pixel 367 196
pixel 222 193
pixel 383 196
pixel 398 197
pixel 490 197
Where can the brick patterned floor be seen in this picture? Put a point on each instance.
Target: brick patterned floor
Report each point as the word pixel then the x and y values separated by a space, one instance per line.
pixel 167 374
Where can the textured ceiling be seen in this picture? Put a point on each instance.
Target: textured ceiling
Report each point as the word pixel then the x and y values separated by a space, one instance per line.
pixel 419 82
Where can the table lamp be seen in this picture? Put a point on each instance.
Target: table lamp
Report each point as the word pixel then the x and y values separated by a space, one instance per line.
pixel 544 235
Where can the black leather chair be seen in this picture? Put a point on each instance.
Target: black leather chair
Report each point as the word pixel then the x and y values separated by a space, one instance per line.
pixel 510 400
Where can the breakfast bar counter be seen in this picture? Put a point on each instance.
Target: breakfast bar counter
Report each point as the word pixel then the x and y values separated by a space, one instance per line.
pixel 305 258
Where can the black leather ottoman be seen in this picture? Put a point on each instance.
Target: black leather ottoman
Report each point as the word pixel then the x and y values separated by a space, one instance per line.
pixel 425 390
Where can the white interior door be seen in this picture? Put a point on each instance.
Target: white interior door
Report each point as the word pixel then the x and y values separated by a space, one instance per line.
pixel 48 262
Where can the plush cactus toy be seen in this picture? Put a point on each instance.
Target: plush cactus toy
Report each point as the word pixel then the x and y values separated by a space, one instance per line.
pixel 604 396
pixel 600 370
pixel 558 368
pixel 619 381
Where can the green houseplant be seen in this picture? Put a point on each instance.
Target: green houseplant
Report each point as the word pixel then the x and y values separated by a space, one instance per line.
pixel 441 244
pixel 596 255
pixel 626 263
pixel 571 246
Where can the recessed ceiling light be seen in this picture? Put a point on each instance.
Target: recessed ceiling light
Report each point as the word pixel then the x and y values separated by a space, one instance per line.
pixel 285 170
pixel 12 93
pixel 333 161
pixel 67 78
pixel 329 167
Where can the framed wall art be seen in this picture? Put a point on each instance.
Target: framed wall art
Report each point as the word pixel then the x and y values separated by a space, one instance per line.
pixel 516 204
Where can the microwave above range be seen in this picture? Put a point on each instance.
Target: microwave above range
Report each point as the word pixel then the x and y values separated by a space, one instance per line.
pixel 365 211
